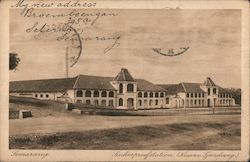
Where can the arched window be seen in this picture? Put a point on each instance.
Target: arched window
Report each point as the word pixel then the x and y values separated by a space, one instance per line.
pixel 150 102
pixel 79 101
pixel 96 102
pixel 88 94
pixel 79 94
pixel 156 94
pixel 130 88
pixel 88 102
pixel 140 102
pixel 145 94
pixel 120 102
pixel 139 94
pixel 96 94
pixel 214 90
pixel 111 94
pixel 156 102
pixel 120 88
pixel 162 94
pixel 104 94
pixel 111 103
pixel 151 94
pixel 103 102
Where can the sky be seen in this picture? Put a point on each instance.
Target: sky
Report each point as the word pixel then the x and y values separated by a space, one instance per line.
pixel 213 38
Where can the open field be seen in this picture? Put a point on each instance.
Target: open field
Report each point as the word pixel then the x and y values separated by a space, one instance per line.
pixel 52 127
pixel 175 136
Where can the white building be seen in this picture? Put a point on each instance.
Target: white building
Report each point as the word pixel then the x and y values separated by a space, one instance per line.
pixel 123 92
pixel 206 94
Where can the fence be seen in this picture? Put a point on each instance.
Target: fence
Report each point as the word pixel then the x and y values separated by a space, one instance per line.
pixel 92 110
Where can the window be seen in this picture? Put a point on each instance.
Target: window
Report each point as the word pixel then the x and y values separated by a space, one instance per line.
pixel 208 91
pixel 203 95
pixel 88 93
pixel 156 94
pixel 199 102
pixel 156 102
pixel 120 102
pixel 78 101
pixel 150 102
pixel 111 103
pixel 41 96
pixel 88 102
pixel 151 94
pixel 111 94
pixel 35 95
pixel 162 94
pixel 103 102
pixel 187 95
pixel 47 96
pixel 195 95
pixel 140 94
pixel 192 95
pixel 96 102
pixel 167 100
pixel 140 102
pixel 120 88
pixel 214 90
pixel 104 94
pixel 195 102
pixel 199 95
pixel 130 88
pixel 79 94
pixel 96 94
pixel 145 94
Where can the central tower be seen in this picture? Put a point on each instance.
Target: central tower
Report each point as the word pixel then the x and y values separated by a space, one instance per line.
pixel 126 88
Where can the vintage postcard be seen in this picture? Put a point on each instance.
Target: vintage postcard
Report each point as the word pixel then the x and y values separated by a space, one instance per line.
pixel 124 80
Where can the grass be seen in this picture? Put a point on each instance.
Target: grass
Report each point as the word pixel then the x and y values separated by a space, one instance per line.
pixel 169 136
pixel 38 108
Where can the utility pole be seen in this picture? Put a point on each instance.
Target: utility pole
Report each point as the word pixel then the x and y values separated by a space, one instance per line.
pixel 67 62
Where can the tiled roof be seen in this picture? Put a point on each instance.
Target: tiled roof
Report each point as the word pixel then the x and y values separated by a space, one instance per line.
pixel 223 90
pixel 208 82
pixel 124 75
pixel 182 87
pixel 46 85
pixel 172 88
pixel 93 82
pixel 143 85
pixel 192 87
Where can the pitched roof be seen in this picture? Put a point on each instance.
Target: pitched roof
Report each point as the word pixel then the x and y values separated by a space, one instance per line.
pixel 143 85
pixel 182 87
pixel 124 75
pixel 172 88
pixel 46 85
pixel 192 87
pixel 224 90
pixel 93 82
pixel 208 82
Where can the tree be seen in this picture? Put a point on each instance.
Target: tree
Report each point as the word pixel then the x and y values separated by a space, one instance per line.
pixel 13 61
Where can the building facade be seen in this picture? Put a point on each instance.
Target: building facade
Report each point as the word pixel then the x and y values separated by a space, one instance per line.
pixel 206 94
pixel 123 92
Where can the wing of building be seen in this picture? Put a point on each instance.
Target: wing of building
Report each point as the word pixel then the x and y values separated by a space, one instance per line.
pixel 206 94
pixel 123 92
